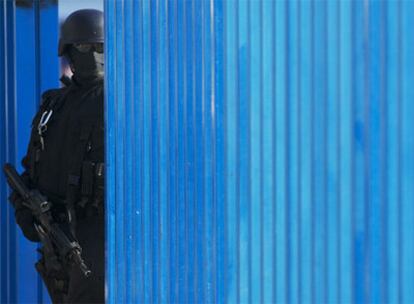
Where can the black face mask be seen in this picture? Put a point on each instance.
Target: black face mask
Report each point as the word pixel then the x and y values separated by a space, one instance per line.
pixel 86 66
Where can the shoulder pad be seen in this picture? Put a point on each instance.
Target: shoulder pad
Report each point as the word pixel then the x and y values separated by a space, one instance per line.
pixel 48 95
pixel 65 80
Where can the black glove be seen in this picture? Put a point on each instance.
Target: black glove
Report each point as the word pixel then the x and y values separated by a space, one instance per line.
pixel 16 200
pixel 24 217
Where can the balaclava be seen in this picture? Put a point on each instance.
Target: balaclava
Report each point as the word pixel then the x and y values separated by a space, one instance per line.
pixel 86 66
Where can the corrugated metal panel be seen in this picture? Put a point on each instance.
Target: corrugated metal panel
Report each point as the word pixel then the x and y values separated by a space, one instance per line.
pixel 7 232
pixel 260 151
pixel 29 65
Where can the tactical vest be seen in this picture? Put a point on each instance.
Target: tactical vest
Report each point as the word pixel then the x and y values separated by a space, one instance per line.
pixel 84 167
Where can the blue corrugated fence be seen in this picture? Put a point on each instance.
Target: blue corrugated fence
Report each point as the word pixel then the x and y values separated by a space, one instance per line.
pixel 257 151
pixel 28 66
pixel 260 151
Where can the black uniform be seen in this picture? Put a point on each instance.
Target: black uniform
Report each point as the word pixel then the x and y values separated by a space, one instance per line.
pixel 65 162
pixel 67 166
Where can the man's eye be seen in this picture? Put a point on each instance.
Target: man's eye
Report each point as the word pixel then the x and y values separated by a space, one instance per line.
pixel 83 47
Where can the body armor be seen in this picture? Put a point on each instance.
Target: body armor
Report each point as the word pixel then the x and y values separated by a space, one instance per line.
pixel 65 162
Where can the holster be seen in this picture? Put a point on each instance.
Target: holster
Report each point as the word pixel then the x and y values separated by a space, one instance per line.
pixel 55 278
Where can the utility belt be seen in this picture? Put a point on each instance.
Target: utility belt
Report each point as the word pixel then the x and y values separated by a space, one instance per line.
pixel 87 192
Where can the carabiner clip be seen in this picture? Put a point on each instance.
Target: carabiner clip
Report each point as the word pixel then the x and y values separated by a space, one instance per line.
pixel 42 127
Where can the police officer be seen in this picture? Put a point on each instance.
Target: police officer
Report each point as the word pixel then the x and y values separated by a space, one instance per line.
pixel 65 160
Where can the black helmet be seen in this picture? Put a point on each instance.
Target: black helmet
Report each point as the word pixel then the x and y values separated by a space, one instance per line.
pixel 82 26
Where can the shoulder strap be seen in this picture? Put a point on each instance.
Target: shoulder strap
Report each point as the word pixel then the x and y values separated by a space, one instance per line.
pixel 52 100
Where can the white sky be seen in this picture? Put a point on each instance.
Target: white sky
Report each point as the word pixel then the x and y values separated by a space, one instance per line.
pixel 68 6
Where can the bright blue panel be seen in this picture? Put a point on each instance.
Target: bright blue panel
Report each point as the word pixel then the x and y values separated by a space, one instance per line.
pixel 26 90
pixel 305 158
pixel 345 199
pixel 393 65
pixel 8 260
pixel 259 151
pixel 280 154
pixel 406 151
pixel 30 66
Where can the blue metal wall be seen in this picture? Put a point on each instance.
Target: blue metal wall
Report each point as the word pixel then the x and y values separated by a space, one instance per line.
pixel 260 151
pixel 28 66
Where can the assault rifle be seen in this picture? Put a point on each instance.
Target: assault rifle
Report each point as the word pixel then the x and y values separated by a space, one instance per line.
pixel 50 233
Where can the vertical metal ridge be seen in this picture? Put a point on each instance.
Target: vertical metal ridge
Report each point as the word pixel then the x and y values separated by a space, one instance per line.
pixel 132 250
pixel 345 128
pixel 237 157
pixel 199 100
pixel 140 147
pixel 400 241
pixel 248 178
pixel 2 148
pixel 215 141
pixel 407 191
pixel 324 153
pixel 274 125
pixel 10 154
pixel 254 135
pixel 354 271
pixel 109 62
pixel 194 144
pixel 37 57
pixel 120 190
pixel 184 296
pixel 220 134
pixel 365 117
pixel 313 103
pixel 128 92
pixel 338 152
pixel 280 155
pixel 299 151
pixel 174 243
pixel 261 187
pixel 163 157
pixel 387 151
pixel 332 161
pixel 3 152
pixel 267 151
pixel 287 145
pixel 383 160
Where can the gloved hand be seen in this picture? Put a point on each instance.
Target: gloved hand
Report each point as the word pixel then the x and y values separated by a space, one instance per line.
pixel 24 217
